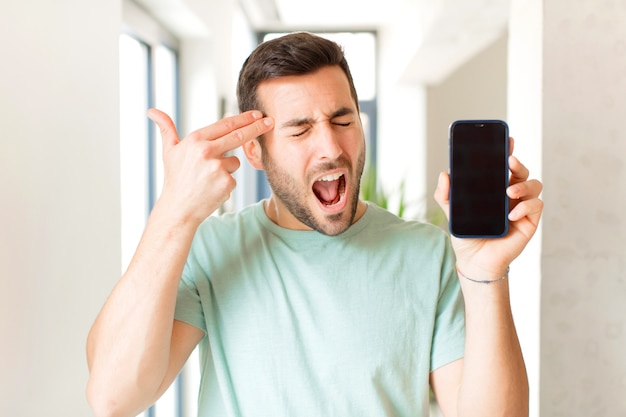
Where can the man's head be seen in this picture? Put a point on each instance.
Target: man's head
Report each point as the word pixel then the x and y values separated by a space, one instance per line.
pixel 294 54
pixel 314 156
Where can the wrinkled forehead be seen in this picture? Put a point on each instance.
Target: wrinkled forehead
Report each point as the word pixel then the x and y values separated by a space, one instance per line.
pixel 316 95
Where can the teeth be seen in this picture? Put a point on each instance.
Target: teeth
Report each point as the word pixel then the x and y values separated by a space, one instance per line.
pixel 331 177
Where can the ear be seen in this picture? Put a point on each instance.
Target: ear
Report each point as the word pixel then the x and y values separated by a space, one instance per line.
pixel 254 153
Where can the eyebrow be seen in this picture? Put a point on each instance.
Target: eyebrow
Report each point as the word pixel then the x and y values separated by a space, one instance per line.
pixel 342 111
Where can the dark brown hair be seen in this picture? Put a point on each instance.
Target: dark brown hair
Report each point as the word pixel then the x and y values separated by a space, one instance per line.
pixel 298 53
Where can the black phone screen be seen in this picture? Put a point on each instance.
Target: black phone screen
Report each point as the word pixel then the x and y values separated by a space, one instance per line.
pixel 479 178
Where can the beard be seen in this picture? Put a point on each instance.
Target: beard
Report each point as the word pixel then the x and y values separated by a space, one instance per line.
pixel 294 195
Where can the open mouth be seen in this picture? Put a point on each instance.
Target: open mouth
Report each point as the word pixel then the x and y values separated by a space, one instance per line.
pixel 330 189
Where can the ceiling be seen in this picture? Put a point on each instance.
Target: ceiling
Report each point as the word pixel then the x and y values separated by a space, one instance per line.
pixel 437 36
pixel 322 14
pixel 428 38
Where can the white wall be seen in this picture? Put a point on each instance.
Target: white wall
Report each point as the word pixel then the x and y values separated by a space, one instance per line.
pixel 59 182
pixel 583 314
pixel 568 93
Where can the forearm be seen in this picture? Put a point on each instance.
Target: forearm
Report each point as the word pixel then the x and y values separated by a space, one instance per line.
pixel 128 347
pixel 494 381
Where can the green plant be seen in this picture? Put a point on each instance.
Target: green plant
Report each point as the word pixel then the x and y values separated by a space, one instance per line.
pixel 371 191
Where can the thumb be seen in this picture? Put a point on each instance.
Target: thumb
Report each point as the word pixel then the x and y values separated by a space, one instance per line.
pixel 442 192
pixel 169 134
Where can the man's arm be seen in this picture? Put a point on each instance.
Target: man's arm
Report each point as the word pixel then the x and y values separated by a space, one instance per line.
pixel 491 380
pixel 123 400
pixel 135 347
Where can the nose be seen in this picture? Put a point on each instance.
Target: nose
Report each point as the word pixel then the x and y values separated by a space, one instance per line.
pixel 327 144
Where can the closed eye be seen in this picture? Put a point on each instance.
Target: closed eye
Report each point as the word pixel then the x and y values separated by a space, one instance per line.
pixel 300 133
pixel 343 117
pixel 343 121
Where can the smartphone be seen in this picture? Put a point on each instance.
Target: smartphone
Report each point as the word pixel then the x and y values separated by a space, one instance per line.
pixel 479 177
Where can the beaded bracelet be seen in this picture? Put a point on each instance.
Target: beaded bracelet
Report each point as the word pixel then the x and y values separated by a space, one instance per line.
pixel 487 281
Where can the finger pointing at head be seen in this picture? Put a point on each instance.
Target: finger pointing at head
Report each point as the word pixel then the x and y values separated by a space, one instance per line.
pixel 246 133
pixel 232 132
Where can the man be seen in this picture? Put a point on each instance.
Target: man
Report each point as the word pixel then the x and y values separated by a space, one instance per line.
pixel 311 303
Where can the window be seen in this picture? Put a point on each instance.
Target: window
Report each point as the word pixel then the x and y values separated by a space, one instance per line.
pixel 165 99
pixel 148 78
pixel 134 142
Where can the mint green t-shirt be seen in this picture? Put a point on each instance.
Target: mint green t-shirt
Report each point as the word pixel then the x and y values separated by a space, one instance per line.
pixel 302 324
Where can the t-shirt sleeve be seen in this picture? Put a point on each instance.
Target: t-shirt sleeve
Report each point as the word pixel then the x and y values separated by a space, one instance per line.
pixel 188 302
pixel 449 332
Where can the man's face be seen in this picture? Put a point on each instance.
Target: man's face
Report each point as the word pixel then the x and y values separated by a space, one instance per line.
pixel 314 157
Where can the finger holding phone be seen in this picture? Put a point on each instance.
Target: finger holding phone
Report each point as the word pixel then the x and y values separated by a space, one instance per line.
pixel 492 206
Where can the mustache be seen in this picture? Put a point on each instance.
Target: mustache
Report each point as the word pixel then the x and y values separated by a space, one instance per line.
pixel 341 162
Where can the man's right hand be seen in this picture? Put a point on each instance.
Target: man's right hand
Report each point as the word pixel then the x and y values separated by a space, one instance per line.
pixel 135 347
pixel 198 171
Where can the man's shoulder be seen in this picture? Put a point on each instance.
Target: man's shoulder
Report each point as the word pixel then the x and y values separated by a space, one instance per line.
pixel 230 218
pixel 383 220
pixel 230 226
